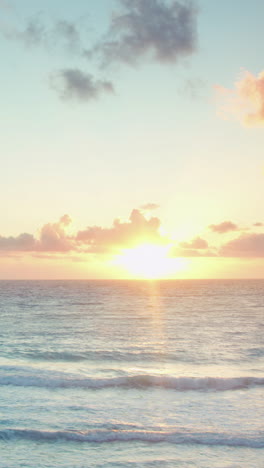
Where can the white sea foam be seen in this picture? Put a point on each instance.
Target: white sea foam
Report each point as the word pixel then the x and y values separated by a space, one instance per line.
pixel 129 372
pixel 135 381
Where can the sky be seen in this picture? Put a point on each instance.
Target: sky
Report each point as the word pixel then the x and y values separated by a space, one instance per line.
pixel 131 139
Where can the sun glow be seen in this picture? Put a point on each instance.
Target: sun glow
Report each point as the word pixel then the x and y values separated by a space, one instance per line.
pixel 149 261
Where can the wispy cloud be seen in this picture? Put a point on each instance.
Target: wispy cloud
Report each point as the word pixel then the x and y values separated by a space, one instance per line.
pixel 149 207
pixel 72 83
pixel 193 88
pixel 5 5
pixel 38 32
pixel 181 252
pixel 156 29
pixel 246 101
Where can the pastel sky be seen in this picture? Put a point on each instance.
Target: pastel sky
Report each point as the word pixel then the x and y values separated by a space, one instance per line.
pixel 128 124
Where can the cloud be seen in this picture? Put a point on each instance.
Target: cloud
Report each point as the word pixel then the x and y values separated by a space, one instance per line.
pixel 163 31
pixel 247 245
pixel 52 239
pixel 72 83
pixel 136 230
pixel 23 243
pixel 182 252
pixel 222 228
pixel 258 224
pixel 37 32
pixel 149 207
pixel 193 88
pixel 246 101
pixel 196 243
pixel 68 32
pixel 5 5
pixel 34 34
pixel 156 29
pixel 197 247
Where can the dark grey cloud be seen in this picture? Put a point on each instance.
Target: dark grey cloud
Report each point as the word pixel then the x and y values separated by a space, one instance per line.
pixel 156 30
pixel 161 30
pixel 222 228
pixel 72 83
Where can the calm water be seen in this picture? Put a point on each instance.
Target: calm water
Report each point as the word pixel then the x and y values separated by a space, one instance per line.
pixel 132 374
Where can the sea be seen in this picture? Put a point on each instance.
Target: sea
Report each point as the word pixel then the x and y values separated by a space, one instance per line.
pixel 132 374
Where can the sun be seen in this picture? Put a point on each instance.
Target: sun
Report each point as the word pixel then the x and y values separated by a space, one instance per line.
pixel 148 261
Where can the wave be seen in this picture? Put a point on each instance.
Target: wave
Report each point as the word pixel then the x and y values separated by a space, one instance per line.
pixel 127 356
pixel 105 436
pixel 180 384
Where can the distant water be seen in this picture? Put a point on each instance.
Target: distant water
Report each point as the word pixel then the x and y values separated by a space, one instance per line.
pixel 132 374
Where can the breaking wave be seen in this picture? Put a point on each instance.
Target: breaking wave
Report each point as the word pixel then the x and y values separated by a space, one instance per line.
pixel 152 437
pixel 135 381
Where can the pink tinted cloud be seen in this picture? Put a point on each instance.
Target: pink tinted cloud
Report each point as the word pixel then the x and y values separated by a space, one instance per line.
pixel 54 241
pixel 52 238
pixel 182 252
pixel 222 228
pixel 247 245
pixel 149 207
pixel 23 243
pixel 197 247
pixel 137 229
pixel 196 243
pixel 246 101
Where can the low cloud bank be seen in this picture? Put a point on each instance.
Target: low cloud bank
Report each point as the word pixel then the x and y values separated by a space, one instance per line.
pixel 54 239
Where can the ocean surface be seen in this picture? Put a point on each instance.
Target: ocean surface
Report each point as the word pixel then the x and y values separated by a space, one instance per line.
pixel 132 374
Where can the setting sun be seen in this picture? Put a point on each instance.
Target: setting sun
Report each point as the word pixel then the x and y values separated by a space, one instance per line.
pixel 149 261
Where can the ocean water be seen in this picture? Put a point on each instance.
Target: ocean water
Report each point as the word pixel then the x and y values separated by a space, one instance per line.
pixel 132 374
